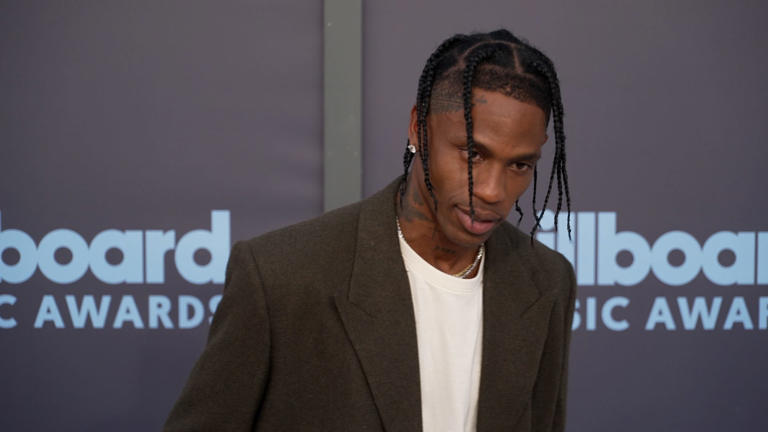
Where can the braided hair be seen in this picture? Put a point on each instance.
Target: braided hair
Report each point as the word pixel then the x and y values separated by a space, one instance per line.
pixel 496 61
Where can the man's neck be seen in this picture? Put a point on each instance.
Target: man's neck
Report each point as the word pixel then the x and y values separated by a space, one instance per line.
pixel 420 230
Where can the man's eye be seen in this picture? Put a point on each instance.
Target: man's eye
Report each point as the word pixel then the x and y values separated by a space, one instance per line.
pixel 475 155
pixel 521 166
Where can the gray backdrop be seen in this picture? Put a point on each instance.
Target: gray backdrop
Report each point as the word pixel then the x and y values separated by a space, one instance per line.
pixel 128 120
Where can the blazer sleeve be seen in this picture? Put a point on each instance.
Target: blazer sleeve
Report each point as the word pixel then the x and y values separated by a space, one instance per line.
pixel 226 385
pixel 551 389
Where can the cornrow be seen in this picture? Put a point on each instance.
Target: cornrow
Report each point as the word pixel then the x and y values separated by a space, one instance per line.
pixel 521 71
pixel 558 162
pixel 469 70
pixel 545 66
pixel 423 95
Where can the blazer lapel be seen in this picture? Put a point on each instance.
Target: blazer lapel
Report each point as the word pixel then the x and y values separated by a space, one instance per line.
pixel 513 322
pixel 377 311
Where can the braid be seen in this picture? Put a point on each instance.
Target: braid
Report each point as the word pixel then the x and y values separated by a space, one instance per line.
pixel 506 35
pixel 407 158
pixel 477 56
pixel 567 193
pixel 519 211
pixel 558 163
pixel 423 95
pixel 559 177
pixel 533 201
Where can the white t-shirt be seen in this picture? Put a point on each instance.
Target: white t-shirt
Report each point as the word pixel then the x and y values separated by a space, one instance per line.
pixel 449 330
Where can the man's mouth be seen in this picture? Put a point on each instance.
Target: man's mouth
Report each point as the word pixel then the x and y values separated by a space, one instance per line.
pixel 482 223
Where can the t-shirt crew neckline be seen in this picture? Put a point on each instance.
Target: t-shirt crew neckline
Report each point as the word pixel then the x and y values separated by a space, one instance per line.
pixel 437 278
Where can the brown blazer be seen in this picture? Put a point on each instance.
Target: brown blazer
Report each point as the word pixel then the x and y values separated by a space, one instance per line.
pixel 316 332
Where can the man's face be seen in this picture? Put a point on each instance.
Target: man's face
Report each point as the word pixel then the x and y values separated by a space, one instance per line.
pixel 508 137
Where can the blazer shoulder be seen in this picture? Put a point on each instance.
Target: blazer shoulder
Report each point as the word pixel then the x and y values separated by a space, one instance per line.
pixel 549 267
pixel 309 250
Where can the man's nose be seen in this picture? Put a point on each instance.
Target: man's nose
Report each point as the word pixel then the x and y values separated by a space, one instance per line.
pixel 488 183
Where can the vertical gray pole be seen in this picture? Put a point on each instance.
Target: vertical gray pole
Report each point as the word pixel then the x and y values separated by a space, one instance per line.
pixel 342 102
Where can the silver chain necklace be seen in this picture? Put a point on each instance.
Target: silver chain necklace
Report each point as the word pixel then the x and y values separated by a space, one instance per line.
pixel 462 274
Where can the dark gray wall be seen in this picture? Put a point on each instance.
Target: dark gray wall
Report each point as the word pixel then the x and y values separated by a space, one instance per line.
pixel 146 116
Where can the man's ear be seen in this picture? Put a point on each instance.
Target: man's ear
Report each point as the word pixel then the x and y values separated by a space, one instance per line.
pixel 413 130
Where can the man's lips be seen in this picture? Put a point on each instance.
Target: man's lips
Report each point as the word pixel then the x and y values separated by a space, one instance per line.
pixel 483 222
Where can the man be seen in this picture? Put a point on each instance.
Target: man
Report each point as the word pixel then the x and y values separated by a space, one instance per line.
pixel 419 308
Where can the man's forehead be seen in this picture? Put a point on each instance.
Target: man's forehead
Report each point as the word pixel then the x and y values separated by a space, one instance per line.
pixel 451 106
pixel 447 92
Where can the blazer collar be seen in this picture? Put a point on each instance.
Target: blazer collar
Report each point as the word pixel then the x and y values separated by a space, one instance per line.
pixel 377 311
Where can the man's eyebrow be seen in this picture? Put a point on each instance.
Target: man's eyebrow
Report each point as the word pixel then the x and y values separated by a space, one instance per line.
pixel 532 156
pixel 481 148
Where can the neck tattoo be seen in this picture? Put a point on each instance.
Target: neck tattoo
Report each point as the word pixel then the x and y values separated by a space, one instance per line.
pixel 462 274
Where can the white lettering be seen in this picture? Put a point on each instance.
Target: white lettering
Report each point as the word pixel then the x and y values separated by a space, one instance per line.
pixel 48 311
pixel 738 313
pixel 660 314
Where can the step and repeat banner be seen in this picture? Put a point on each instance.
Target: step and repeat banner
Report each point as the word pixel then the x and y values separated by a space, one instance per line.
pixel 139 140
